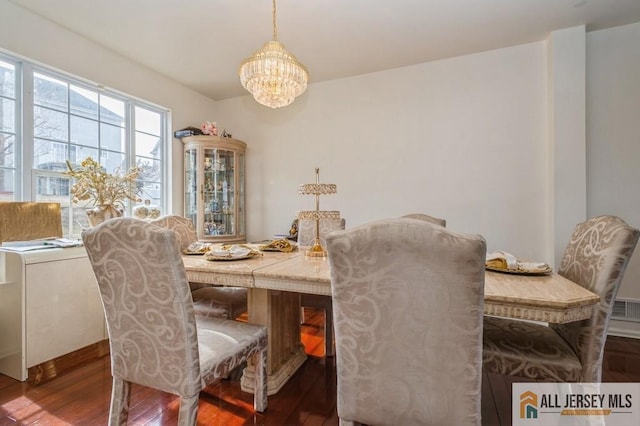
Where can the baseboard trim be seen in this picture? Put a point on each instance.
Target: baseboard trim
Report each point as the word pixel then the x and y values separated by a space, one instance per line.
pixel 617 330
pixel 53 368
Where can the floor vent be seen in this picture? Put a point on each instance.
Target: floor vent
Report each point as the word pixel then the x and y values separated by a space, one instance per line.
pixel 626 310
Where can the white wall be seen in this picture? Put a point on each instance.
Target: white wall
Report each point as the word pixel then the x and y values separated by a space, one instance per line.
pixel 467 139
pixel 464 139
pixel 613 132
pixel 567 141
pixel 36 39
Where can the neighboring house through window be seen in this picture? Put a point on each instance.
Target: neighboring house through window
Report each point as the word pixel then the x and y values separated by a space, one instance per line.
pixel 68 119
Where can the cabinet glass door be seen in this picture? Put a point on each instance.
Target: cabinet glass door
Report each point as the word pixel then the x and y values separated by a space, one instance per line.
pixel 240 179
pixel 191 184
pixel 218 192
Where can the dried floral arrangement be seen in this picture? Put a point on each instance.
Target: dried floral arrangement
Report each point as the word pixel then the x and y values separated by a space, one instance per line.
pixel 94 184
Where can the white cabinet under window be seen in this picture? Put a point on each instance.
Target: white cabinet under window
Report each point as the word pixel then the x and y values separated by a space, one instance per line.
pixel 49 306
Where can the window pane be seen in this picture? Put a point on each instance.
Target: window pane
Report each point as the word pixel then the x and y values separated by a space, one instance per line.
pixel 7 150
pixel 150 191
pixel 50 124
pixel 79 221
pixel 78 153
pixel 50 92
pixel 49 155
pixel 84 131
pixel 147 121
pixel 147 145
pixel 7 115
pixel 111 110
pixel 84 102
pixel 112 137
pixel 54 188
pixel 149 180
pixel 150 169
pixel 7 185
pixel 7 80
pixel 114 161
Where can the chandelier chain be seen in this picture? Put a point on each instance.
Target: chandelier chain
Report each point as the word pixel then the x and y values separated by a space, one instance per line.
pixel 275 24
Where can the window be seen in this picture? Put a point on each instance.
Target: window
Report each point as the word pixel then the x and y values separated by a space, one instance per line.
pixel 8 126
pixel 68 120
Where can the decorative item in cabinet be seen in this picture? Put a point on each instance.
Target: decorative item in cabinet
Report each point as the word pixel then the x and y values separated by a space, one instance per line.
pixel 214 176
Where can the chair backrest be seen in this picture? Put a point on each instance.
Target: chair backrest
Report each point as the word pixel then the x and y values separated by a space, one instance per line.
pixel 596 258
pixel 183 227
pixel 426 218
pixel 307 230
pixel 408 302
pixel 147 303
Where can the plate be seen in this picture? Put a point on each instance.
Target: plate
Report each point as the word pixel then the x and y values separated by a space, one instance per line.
pixel 233 253
pixel 191 253
pixel 210 256
pixel 282 245
pixel 521 271
pixel 197 247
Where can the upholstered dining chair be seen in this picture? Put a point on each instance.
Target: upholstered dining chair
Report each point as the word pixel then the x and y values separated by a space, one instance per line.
pixel 408 301
pixel 595 258
pixel 155 339
pixel 427 218
pixel 307 230
pixel 306 237
pixel 208 301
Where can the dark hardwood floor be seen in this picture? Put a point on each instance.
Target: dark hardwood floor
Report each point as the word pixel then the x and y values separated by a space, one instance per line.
pixel 81 396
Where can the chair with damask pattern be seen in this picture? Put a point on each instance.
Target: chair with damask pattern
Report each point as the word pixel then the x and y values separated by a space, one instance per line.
pixel 408 299
pixel 208 301
pixel 427 218
pixel 595 258
pixel 306 237
pixel 155 339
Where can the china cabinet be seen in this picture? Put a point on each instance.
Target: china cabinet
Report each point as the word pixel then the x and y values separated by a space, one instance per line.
pixel 214 175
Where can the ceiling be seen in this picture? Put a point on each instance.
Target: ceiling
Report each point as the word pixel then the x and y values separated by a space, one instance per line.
pixel 200 43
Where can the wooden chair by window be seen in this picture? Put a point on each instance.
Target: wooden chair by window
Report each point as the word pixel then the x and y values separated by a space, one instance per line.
pixel 408 302
pixel 595 258
pixel 154 336
pixel 208 301
pixel 306 237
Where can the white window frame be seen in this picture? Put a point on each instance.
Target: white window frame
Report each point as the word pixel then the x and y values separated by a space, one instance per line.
pixel 26 176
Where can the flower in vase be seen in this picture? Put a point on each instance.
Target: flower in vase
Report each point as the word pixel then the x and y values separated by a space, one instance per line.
pixel 209 128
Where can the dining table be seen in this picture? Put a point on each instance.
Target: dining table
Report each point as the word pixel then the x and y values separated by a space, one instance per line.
pixel 275 281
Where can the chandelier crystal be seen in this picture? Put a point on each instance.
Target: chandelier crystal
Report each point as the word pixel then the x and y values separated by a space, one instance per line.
pixel 272 75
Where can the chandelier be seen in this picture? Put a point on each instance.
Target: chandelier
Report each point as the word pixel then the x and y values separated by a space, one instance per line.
pixel 272 75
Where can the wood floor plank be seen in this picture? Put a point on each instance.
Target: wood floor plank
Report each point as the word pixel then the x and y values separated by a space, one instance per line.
pixel 489 413
pixel 81 396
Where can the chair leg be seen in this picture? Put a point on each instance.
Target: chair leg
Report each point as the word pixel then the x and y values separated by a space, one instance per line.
pixel 328 333
pixel 119 410
pixel 346 422
pixel 188 410
pixel 260 387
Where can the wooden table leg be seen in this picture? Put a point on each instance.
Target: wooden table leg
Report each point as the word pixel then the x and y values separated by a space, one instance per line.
pixel 279 311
